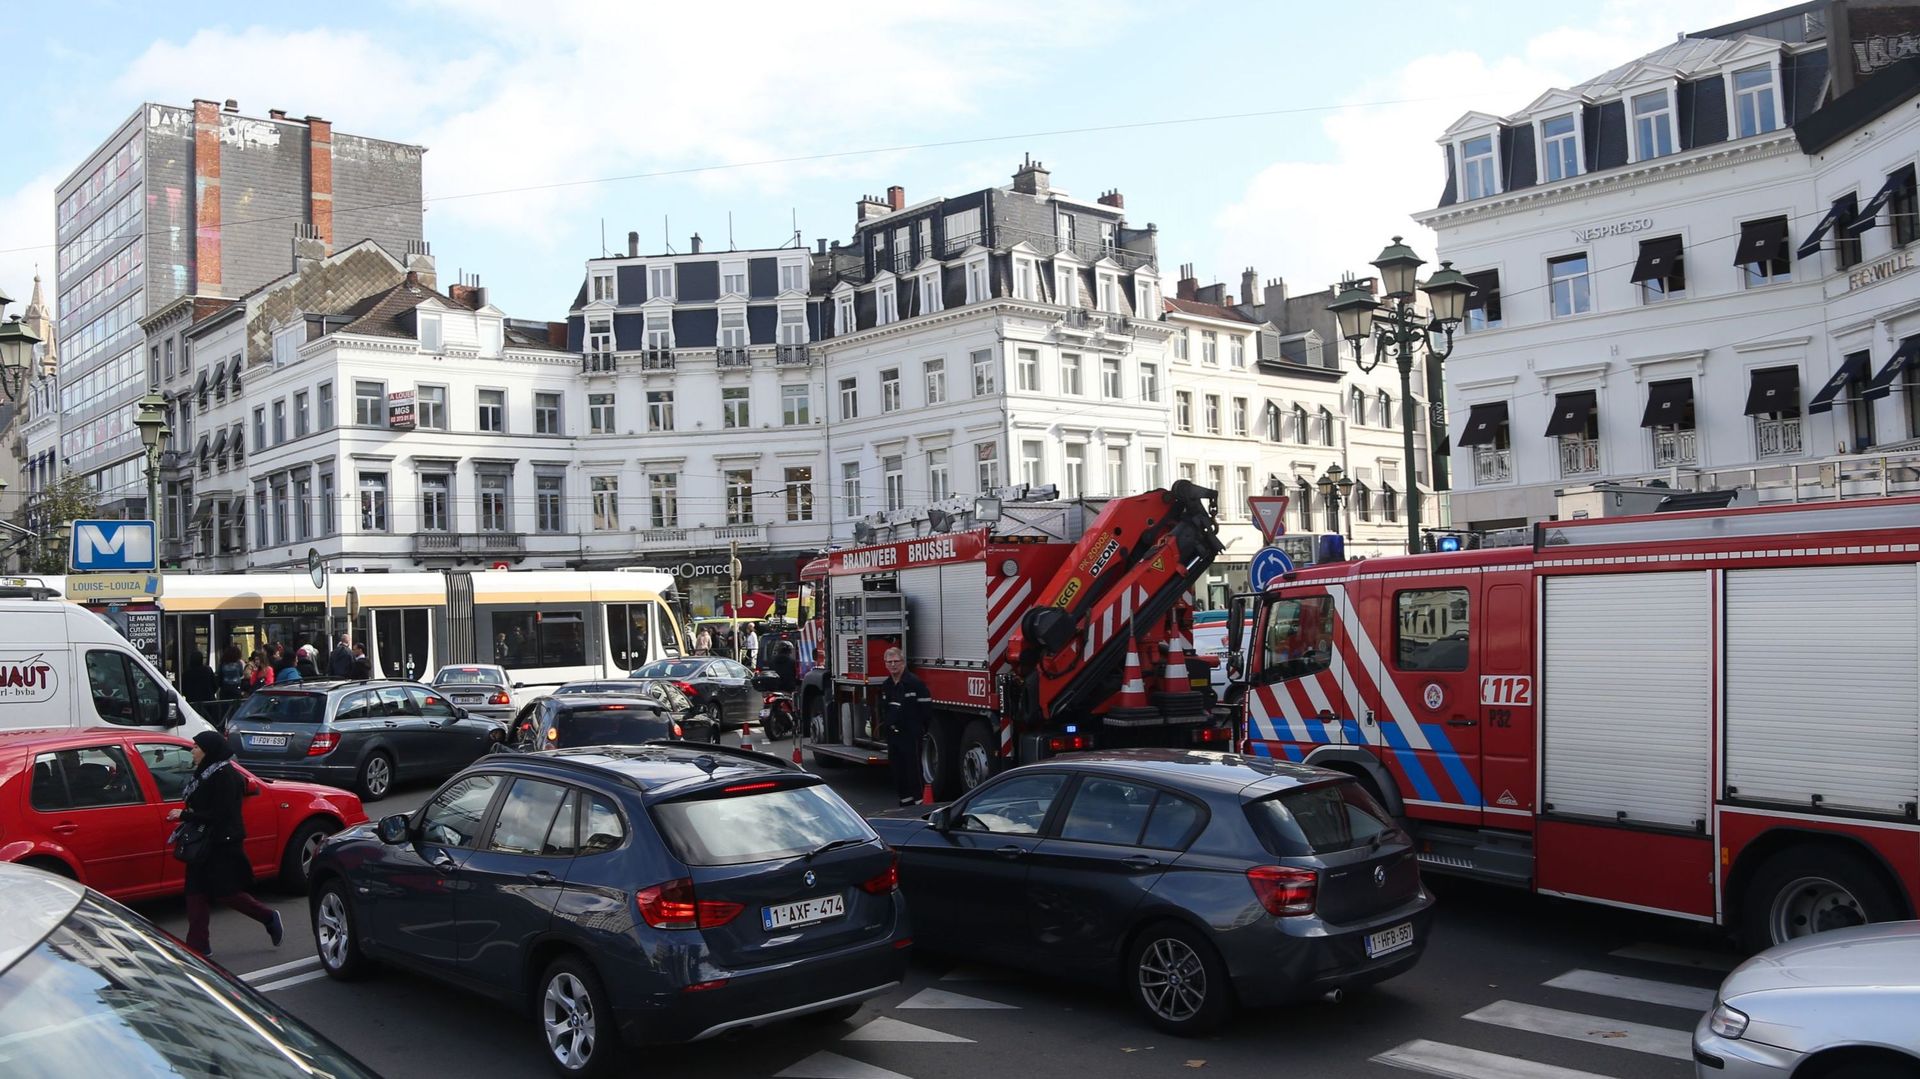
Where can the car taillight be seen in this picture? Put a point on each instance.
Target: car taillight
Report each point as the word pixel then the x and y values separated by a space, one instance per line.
pixel 685 687
pixel 500 698
pixel 674 906
pixel 1067 743
pixel 1210 735
pixel 886 883
pixel 677 732
pixel 323 744
pixel 1284 890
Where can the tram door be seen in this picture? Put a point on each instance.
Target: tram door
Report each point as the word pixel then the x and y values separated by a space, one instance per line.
pixel 402 643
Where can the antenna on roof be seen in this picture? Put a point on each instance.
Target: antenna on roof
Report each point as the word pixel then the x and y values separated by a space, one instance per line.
pixel 730 246
pixel 666 233
pixel 603 237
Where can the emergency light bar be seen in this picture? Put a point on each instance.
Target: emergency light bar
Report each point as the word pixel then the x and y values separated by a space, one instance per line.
pixel 1880 515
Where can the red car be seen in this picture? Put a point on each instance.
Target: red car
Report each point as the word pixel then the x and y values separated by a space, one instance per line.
pixel 92 804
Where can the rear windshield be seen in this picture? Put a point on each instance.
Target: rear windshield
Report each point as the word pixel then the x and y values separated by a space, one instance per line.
pixel 1321 819
pixel 608 727
pixel 757 827
pixel 671 668
pixel 283 708
pixel 467 676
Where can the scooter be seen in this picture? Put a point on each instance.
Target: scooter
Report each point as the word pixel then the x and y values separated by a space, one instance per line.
pixel 777 716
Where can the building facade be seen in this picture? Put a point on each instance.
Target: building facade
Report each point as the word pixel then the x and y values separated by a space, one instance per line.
pixel 1692 268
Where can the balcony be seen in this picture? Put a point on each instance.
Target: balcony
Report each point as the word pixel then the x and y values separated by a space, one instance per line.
pixel 793 356
pixel 599 363
pixel 735 356
pixel 740 533
pixel 657 537
pixel 1579 456
pixel 1492 465
pixel 470 543
pixel 656 359
pixel 1778 438
pixel 1676 446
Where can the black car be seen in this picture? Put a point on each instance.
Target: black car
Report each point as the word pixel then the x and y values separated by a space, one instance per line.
pixel 360 735
pixel 1201 880
pixel 87 987
pixel 721 689
pixel 657 893
pixel 574 721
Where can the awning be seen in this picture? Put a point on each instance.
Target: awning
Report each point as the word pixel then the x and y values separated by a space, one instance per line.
pixel 1484 423
pixel 1869 214
pixel 1761 241
pixel 1840 215
pixel 1854 368
pixel 1904 358
pixel 1657 258
pixel 1773 389
pixel 220 444
pixel 1570 412
pixel 200 384
pixel 239 440
pixel 204 447
pixel 202 510
pixel 219 374
pixel 1667 402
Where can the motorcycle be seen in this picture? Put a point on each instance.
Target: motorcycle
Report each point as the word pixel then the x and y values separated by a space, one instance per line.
pixel 778 715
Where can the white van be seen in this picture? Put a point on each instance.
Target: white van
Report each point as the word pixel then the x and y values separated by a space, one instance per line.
pixel 61 665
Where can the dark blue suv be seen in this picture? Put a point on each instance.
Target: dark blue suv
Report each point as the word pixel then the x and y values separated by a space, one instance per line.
pixel 647 893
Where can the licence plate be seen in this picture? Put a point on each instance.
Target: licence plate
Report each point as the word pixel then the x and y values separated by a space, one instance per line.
pixel 267 741
pixel 1389 940
pixel 469 698
pixel 805 912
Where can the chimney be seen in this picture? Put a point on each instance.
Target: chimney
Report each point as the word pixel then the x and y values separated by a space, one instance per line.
pixel 419 261
pixel 1275 309
pixel 276 114
pixel 1188 286
pixel 822 242
pixel 413 279
pixel 206 197
pixel 633 245
pixel 308 250
pixel 869 207
pixel 557 334
pixel 232 106
pixel 1114 199
pixel 1032 177
pixel 1214 294
pixel 897 197
pixel 696 243
pixel 1249 285
pixel 320 178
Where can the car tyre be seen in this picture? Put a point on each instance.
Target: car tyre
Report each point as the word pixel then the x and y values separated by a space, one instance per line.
pixel 978 749
pixel 712 713
pixel 576 1019
pixel 1806 889
pixel 375 780
pixel 296 865
pixel 336 933
pixel 1177 979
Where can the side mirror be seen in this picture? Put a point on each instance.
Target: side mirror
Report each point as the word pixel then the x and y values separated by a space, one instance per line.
pixel 253 787
pixel 519 685
pixel 941 820
pixel 1237 638
pixel 174 718
pixel 393 830
pixel 459 713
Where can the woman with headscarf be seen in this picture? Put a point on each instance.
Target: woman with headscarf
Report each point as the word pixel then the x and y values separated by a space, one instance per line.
pixel 212 798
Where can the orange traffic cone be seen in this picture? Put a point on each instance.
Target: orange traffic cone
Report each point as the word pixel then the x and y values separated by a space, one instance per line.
pixel 796 752
pixel 1133 686
pixel 1176 678
pixel 926 795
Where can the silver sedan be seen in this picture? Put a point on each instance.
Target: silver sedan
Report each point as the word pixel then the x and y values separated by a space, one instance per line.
pixel 1840 1003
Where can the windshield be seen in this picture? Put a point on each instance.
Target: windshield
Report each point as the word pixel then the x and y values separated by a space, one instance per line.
pixel 1320 819
pixel 469 676
pixel 1296 637
pixel 609 726
pixel 758 827
pixel 104 994
pixel 283 708
pixel 671 668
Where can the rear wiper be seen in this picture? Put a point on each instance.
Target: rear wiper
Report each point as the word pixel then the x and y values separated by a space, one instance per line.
pixel 833 844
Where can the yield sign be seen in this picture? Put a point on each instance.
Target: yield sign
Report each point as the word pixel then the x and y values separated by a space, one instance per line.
pixel 1270 514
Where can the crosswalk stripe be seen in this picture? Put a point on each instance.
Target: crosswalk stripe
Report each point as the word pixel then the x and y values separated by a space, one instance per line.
pixel 825 1065
pixel 264 973
pixel 1670 994
pixel 1695 958
pixel 884 1029
pixel 1597 1030
pixel 1459 1062
pixel 286 983
pixel 940 998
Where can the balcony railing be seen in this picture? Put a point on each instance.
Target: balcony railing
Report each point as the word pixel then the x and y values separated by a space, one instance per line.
pixel 1579 456
pixel 662 535
pixel 598 363
pixel 656 359
pixel 1675 447
pixel 732 356
pixel 793 356
pixel 1779 438
pixel 478 543
pixel 730 533
pixel 1492 465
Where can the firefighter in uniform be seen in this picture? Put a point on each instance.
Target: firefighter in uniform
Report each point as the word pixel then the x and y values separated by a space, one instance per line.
pixel 904 704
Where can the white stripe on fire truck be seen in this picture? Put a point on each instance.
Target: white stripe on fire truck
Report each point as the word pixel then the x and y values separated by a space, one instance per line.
pixel 1369 658
pixel 1276 715
pixel 1350 689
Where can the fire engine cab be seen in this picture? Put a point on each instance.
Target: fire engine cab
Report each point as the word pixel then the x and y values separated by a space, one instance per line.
pixel 1712 715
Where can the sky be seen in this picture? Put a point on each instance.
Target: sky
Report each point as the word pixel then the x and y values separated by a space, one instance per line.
pixel 1289 137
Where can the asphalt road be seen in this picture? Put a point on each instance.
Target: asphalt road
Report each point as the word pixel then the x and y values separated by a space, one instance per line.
pixel 1512 986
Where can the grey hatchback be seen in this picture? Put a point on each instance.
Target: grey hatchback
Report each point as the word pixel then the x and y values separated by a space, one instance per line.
pixel 359 735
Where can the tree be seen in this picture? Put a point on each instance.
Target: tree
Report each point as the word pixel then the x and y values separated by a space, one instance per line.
pixel 66 500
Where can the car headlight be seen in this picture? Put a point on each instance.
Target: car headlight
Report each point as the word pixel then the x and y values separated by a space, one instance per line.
pixel 1727 1021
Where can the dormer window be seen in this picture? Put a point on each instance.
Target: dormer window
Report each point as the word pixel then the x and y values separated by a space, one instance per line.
pixel 1754 109
pixel 660 282
pixel 1560 146
pixel 286 346
pixel 1025 279
pixel 930 298
pixel 1109 292
pixel 1652 125
pixel 843 313
pixel 600 337
pixel 793 277
pixel 1477 172
pixel 429 333
pixel 733 279
pixel 1066 291
pixel 976 280
pixel 602 286
pixel 1149 305
pixel 889 299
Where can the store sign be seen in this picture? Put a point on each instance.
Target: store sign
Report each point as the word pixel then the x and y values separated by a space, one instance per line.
pixel 1618 228
pixel 925 551
pixel 400 410
pixel 1871 37
pixel 1880 271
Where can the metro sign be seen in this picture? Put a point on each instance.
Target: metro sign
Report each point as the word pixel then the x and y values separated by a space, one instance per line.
pixel 112 546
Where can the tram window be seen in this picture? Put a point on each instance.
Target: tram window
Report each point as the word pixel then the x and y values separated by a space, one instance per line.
pixel 539 639
pixel 669 630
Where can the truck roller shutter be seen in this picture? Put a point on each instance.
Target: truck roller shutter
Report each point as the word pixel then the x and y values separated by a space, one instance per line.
pixel 1823 686
pixel 926 617
pixel 963 596
pixel 1627 718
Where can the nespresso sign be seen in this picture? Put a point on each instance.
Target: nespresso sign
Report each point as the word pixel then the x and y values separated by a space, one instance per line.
pixel 1618 228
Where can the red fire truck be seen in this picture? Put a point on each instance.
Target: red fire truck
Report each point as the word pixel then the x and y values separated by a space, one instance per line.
pixel 1713 715
pixel 1023 636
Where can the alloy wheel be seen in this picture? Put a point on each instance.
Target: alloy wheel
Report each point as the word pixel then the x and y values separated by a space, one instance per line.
pixel 1813 905
pixel 379 776
pixel 1173 980
pixel 567 1016
pixel 309 849
pixel 976 766
pixel 332 930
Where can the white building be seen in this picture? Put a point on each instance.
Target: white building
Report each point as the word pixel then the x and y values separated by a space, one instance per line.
pixel 1691 267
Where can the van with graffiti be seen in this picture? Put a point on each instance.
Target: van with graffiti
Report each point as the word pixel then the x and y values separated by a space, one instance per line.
pixel 61 665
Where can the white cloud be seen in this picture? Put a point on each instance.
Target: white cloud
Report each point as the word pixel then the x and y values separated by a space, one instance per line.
pixel 28 214
pixel 1310 221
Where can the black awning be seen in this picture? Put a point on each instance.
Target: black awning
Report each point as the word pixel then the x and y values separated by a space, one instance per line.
pixel 204 446
pixel 202 510
pixel 1657 258
pixel 1773 389
pixel 200 384
pixel 1840 215
pixel 1761 241
pixel 220 443
pixel 1484 423
pixel 1855 367
pixel 1570 412
pixel 1667 402
pixel 1869 214
pixel 1904 358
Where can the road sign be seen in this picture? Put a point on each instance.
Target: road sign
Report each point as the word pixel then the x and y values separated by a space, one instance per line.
pixel 316 567
pixel 112 546
pixel 112 587
pixel 1269 514
pixel 1268 564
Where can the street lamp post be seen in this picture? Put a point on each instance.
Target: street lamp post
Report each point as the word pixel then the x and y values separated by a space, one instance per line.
pixel 152 422
pixel 1401 331
pixel 1334 489
pixel 16 353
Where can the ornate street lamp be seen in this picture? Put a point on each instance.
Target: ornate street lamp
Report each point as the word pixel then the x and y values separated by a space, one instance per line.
pixel 152 422
pixel 1334 489
pixel 1401 330
pixel 16 352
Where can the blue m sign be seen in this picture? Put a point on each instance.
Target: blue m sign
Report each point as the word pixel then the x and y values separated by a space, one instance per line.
pixel 112 545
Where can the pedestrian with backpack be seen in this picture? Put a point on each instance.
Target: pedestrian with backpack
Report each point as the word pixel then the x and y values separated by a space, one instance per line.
pixel 233 674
